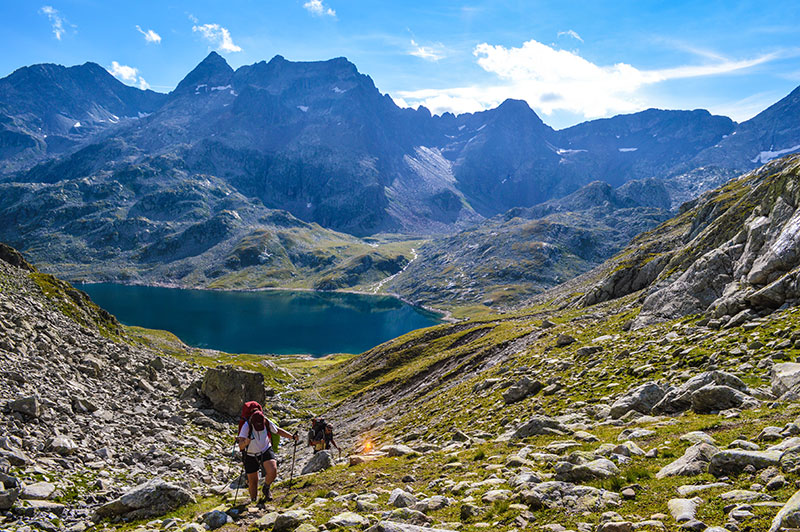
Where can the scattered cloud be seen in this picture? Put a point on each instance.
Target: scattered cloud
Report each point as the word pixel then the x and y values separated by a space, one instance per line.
pixel 217 36
pixel 570 33
pixel 192 18
pixel 128 74
pixel 149 35
pixel 429 53
pixel 551 79
pixel 56 19
pixel 317 8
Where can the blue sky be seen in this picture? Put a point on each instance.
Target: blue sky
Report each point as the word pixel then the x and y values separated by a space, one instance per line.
pixel 571 61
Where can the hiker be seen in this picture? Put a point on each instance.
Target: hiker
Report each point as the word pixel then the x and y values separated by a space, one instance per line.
pixel 320 436
pixel 316 435
pixel 329 438
pixel 255 442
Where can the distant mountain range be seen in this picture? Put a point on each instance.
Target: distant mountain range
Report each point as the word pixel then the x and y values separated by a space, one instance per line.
pixel 94 172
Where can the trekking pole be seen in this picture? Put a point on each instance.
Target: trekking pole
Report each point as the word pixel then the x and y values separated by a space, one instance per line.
pixel 294 453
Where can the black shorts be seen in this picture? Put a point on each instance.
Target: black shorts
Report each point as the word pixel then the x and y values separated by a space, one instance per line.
pixel 253 463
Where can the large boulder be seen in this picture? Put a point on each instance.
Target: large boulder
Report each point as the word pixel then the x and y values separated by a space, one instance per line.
pixel 733 461
pixel 151 499
pixel 712 398
pixel 785 377
pixel 523 388
pixel 693 462
pixel 596 469
pixel 228 388
pixel 540 425
pixel 680 399
pixel 319 462
pixel 641 399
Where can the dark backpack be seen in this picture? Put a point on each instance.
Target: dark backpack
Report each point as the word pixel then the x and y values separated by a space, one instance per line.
pixel 318 428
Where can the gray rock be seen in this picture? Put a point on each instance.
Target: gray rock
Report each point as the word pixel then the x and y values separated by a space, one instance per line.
pixel 266 522
pixel 784 378
pixel 694 461
pixel 399 450
pixel 641 399
pixel 615 526
pixel 347 520
pixel 733 461
pixel 432 504
pixel 319 462
pixel 496 495
pixel 683 509
pixel 790 461
pixel 523 388
pixel 540 425
pixel 8 498
pixel 288 521
pixel 38 490
pixel 788 516
pixel 680 399
pixel 63 445
pixel 228 388
pixel 401 499
pixel 690 489
pixel 29 406
pixel 713 398
pixel 153 498
pixel 216 519
pixel 596 469
pixel 390 526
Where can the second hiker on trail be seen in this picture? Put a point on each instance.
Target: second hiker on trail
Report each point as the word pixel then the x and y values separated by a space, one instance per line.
pixel 255 442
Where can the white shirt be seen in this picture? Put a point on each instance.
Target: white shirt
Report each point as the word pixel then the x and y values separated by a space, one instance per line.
pixel 260 441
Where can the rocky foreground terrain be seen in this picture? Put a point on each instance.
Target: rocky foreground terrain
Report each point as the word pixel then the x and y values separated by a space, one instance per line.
pixel 571 414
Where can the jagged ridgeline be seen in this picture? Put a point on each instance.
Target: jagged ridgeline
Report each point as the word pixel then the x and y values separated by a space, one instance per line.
pixel 304 175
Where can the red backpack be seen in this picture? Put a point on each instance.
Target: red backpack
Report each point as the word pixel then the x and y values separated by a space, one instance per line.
pixel 248 409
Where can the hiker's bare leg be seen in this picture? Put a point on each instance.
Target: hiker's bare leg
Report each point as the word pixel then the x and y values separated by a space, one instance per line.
pixel 270 471
pixel 252 485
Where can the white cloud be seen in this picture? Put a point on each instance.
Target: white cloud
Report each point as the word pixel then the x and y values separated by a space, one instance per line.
pixel 193 18
pixel 149 35
pixel 570 33
pixel 551 80
pixel 428 53
pixel 218 36
pixel 123 72
pixel 56 20
pixel 316 7
pixel 128 74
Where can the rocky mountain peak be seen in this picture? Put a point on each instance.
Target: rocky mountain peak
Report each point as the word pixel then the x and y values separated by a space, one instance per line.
pixel 212 71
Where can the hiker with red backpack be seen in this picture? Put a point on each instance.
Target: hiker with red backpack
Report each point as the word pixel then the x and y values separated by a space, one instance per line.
pixel 256 434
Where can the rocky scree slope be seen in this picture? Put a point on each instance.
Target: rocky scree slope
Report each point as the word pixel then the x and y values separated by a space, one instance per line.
pixel 89 415
pixel 570 420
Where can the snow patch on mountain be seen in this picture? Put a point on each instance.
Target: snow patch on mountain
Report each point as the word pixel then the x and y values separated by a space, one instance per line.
pixel 767 156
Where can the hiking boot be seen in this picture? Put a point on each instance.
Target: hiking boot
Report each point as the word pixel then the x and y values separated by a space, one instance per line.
pixel 267 494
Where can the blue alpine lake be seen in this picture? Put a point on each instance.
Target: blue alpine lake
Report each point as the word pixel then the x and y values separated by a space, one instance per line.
pixel 261 322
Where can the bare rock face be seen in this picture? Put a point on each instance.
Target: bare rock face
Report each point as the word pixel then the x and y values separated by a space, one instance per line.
pixel 153 498
pixel 228 388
